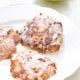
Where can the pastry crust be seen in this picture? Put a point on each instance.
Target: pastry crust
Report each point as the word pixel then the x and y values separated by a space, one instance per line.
pixel 7 47
pixel 10 32
pixel 42 33
pixel 32 66
pixel 8 39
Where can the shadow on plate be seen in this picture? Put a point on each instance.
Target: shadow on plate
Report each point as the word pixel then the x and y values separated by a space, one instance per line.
pixel 75 75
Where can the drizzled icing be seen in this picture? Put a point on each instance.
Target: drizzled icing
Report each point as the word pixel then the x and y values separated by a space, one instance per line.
pixel 8 38
pixel 34 65
pixel 7 47
pixel 9 31
pixel 42 32
pixel 4 30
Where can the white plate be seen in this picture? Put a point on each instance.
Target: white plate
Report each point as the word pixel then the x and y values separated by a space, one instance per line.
pixel 67 59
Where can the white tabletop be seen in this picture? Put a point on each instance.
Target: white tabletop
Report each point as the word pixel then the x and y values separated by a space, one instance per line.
pixel 70 8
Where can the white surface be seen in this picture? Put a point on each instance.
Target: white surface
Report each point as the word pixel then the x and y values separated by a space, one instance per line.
pixel 67 59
